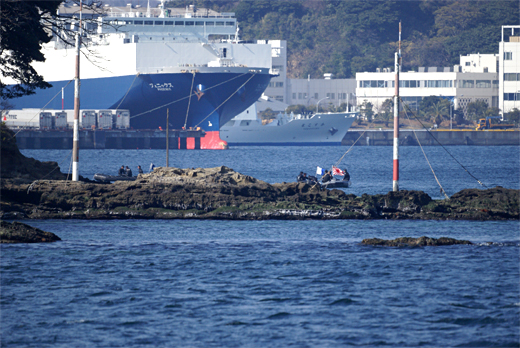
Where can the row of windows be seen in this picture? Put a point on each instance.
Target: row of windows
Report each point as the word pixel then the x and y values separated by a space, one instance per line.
pixel 430 83
pixel 511 77
pixel 406 84
pixel 508 55
pixel 341 96
pixel 175 23
pixel 511 96
pixel 275 84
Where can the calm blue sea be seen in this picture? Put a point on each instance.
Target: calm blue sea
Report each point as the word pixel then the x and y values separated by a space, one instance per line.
pixel 272 283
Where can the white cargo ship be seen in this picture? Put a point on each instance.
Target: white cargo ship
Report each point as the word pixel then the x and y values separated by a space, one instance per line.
pixel 247 129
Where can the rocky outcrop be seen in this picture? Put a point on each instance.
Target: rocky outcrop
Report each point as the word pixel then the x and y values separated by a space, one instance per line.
pixel 221 193
pixel 414 242
pixel 16 166
pixel 17 232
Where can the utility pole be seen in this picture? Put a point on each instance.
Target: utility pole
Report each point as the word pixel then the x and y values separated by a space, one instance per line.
pixel 167 138
pixel 396 116
pixel 75 137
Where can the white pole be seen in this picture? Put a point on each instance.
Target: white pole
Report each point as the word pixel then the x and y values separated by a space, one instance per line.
pixel 75 138
pixel 396 117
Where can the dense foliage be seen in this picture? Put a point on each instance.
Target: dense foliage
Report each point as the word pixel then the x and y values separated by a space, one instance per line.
pixel 349 36
pixel 22 35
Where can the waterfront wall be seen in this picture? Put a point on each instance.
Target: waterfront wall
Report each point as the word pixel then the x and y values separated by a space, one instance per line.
pixel 178 139
pixel 109 139
pixel 427 138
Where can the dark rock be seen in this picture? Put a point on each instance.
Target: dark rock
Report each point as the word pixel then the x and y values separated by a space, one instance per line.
pixel 414 242
pixel 16 165
pixel 22 233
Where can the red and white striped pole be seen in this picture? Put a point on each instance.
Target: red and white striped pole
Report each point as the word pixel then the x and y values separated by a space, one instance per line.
pixel 75 137
pixel 396 115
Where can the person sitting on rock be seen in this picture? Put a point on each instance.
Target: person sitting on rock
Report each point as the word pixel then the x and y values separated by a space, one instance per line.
pixel 128 172
pixel 121 171
pixel 312 180
pixel 327 177
pixel 140 170
pixel 300 177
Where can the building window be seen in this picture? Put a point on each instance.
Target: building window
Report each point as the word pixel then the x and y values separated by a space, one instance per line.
pixel 294 96
pixel 511 77
pixel 372 84
pixel 279 98
pixel 304 95
pixel 278 67
pixel 495 83
pixel 468 63
pixel 300 95
pixel 468 84
pixel 508 55
pixel 511 96
pixel 483 84
pixel 408 84
pixel 278 84
pixel 316 96
pixel 439 83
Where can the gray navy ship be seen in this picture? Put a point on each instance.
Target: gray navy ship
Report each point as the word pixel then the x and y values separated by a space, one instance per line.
pixel 246 129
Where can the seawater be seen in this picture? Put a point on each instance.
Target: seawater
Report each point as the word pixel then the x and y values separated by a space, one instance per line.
pixel 271 283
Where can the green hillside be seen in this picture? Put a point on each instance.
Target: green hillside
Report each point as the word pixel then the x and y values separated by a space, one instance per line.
pixel 349 36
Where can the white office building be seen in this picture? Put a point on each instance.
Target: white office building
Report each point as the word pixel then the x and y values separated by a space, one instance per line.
pixel 476 78
pixel 509 64
pixel 277 88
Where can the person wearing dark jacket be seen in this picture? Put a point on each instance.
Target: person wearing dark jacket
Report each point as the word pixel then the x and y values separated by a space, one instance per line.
pixel 121 171
pixel 327 177
pixel 140 170
pixel 346 177
pixel 300 177
pixel 128 172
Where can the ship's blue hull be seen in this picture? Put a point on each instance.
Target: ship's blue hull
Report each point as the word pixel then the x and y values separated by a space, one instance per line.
pixel 215 97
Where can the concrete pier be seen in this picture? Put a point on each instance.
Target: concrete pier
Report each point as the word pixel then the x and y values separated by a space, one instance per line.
pixel 444 137
pixel 109 139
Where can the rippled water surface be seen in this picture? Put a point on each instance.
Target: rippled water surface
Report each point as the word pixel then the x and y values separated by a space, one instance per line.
pixel 258 284
pixel 271 283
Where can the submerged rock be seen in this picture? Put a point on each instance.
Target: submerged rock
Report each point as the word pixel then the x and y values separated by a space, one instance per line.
pixel 414 242
pixel 17 232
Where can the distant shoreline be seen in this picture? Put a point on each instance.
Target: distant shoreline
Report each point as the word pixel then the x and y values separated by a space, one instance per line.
pixel 407 137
